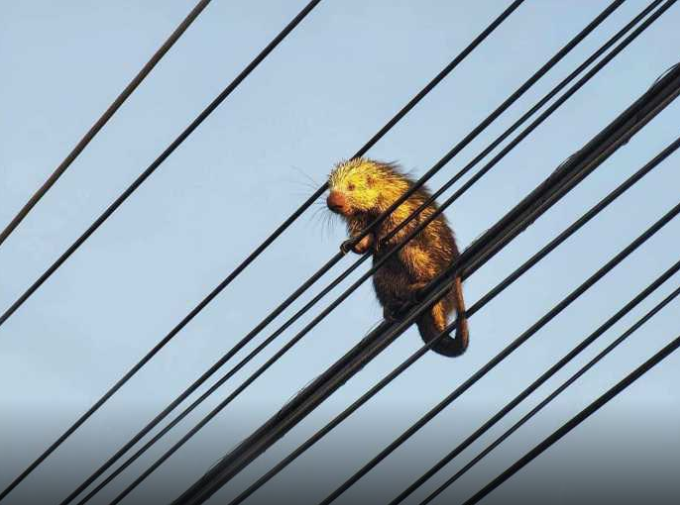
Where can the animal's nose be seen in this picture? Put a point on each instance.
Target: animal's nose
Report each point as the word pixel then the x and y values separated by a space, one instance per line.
pixel 336 202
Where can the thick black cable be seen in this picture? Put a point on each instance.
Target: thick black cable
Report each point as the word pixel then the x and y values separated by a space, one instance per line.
pixel 321 316
pixel 231 372
pixel 450 67
pixel 630 331
pixel 112 208
pixel 576 420
pixel 571 172
pixel 574 170
pixel 101 122
pixel 502 355
pixel 501 286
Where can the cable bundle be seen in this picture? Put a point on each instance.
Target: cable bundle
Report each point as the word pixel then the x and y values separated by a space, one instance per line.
pixel 557 185
pixel 540 200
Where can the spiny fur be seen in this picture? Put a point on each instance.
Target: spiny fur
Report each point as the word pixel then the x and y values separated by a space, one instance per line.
pixel 367 188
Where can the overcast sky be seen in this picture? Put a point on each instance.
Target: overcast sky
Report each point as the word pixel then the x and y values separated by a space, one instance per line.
pixel 327 89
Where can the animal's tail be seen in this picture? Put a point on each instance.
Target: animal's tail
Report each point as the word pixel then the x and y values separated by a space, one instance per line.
pixel 433 322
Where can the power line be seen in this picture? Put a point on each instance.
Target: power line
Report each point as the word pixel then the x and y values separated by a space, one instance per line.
pixel 525 133
pixel 305 205
pixel 283 305
pixel 538 325
pixel 289 322
pixel 101 122
pixel 176 143
pixel 405 365
pixel 476 307
pixel 501 356
pixel 638 324
pixel 622 133
pixel 565 177
pixel 461 145
pixel 158 161
pixel 576 420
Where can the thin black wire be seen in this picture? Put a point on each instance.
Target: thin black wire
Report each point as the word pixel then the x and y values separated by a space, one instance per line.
pixel 559 183
pixel 307 203
pixel 527 131
pixel 566 177
pixel 105 117
pixel 502 355
pixel 522 215
pixel 451 66
pixel 550 200
pixel 202 398
pixel 544 377
pixel 158 161
pixel 297 315
pixel 374 139
pixel 576 420
pixel 649 315
pixel 499 288
pixel 112 208
pixel 596 209
pixel 519 92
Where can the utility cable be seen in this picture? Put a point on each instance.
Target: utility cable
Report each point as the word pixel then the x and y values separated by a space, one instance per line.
pixel 596 209
pixel 436 80
pixel 570 173
pixel 576 420
pixel 231 372
pixel 502 355
pixel 176 143
pixel 621 133
pixel 649 315
pixel 101 122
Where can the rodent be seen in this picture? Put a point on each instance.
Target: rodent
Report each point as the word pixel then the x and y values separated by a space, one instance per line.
pixel 360 190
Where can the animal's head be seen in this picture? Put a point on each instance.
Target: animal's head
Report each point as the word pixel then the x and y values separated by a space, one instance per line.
pixel 361 185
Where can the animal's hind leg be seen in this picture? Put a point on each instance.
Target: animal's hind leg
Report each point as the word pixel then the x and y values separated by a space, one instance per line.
pixel 399 306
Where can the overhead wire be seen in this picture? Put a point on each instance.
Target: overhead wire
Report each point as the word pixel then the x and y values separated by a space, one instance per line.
pixel 501 356
pixel 561 181
pixel 158 161
pixel 305 205
pixel 577 420
pixel 295 295
pixel 231 372
pixel 493 248
pixel 501 286
pixel 393 121
pixel 572 379
pixel 110 210
pixel 105 117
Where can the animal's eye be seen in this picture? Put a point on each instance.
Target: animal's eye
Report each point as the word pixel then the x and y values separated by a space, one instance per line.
pixel 350 187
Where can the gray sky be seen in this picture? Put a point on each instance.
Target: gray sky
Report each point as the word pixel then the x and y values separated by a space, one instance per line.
pixel 347 69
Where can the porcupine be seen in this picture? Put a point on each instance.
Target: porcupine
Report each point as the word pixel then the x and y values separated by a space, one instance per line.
pixel 360 190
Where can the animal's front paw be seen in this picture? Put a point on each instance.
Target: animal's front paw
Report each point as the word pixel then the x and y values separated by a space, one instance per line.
pixel 346 247
pixel 363 245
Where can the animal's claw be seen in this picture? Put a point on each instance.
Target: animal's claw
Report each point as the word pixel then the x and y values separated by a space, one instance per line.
pixel 346 247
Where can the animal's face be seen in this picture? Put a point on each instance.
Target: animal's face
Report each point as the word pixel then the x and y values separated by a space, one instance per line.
pixel 354 188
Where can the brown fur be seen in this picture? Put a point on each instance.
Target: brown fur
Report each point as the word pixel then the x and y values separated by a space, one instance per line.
pixel 360 190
